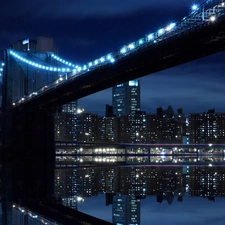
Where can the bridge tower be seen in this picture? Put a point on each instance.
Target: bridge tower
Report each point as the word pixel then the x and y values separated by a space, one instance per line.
pixel 27 141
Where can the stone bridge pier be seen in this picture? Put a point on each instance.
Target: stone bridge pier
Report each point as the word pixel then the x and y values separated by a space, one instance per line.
pixel 27 157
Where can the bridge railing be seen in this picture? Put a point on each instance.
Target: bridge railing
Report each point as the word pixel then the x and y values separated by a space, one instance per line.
pixel 206 13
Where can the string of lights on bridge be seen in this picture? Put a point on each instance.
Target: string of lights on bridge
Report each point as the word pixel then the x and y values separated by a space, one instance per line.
pixel 1 69
pixel 199 14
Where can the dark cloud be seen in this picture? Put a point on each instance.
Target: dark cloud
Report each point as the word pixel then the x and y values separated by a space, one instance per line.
pixel 84 8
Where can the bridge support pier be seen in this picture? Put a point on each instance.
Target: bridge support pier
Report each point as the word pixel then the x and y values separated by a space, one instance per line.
pixel 34 149
pixel 28 158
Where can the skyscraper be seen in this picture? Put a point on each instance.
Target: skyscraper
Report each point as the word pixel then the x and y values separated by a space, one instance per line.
pixel 126 98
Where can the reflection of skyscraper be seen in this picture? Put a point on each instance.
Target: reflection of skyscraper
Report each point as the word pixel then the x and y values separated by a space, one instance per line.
pixel 126 98
pixel 126 210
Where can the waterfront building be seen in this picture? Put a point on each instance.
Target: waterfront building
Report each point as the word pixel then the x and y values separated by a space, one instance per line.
pixel 65 122
pixel 108 129
pixel 207 128
pixel 86 127
pixel 165 126
pixel 133 128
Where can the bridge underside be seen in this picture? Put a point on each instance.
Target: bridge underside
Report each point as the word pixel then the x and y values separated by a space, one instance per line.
pixel 203 41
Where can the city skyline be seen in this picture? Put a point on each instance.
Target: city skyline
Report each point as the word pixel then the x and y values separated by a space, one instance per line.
pixel 96 29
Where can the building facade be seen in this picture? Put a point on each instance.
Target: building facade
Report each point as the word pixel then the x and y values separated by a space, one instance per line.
pixel 126 98
pixel 65 122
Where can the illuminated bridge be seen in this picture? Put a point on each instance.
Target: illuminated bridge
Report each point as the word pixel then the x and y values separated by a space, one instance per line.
pixel 34 83
pixel 197 35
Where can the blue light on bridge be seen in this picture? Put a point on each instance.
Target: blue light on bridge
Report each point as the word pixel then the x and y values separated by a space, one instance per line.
pixel 212 19
pixel 112 60
pixel 170 27
pixel 37 65
pixel 194 7
pixel 131 46
pixel 123 50
pixel 62 60
pixel 150 36
pixel 109 56
pixel 160 31
pixel 141 42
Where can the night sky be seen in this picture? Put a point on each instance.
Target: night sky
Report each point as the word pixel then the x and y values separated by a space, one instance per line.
pixel 192 211
pixel 84 30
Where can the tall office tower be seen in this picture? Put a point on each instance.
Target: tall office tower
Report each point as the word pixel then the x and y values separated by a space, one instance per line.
pixel 206 128
pixel 125 210
pixel 126 98
pixel 41 44
pixel 65 121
